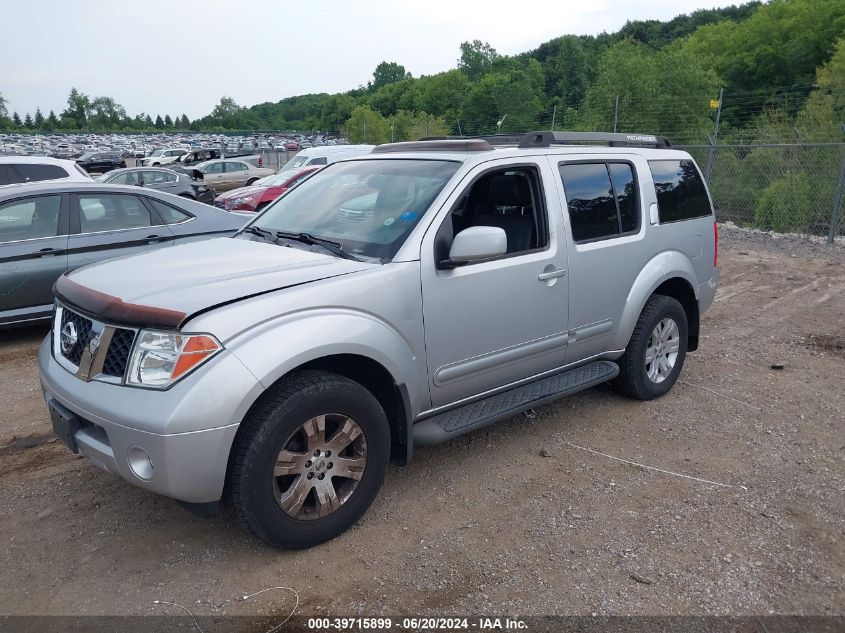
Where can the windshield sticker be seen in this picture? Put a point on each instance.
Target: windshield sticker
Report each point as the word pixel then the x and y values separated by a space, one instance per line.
pixel 408 216
pixel 389 221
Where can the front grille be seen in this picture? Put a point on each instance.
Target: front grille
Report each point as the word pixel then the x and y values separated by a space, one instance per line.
pixel 115 359
pixel 117 355
pixel 83 334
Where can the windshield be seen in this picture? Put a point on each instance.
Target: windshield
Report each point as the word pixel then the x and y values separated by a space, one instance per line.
pixel 158 152
pixel 297 161
pixel 278 179
pixel 87 155
pixel 369 206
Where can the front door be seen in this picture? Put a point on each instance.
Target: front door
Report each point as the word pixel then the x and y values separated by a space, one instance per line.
pixel 492 323
pixel 106 225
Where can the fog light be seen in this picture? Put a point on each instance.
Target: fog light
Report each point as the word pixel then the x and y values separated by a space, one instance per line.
pixel 140 463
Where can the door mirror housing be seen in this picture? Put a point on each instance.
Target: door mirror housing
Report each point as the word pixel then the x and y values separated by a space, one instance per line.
pixel 476 243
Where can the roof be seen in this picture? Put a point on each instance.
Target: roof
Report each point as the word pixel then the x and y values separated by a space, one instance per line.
pixel 48 186
pixel 40 160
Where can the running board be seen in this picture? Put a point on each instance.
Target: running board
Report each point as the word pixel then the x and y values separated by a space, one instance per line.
pixel 445 426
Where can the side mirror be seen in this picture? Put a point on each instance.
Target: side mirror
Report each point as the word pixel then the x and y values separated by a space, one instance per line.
pixel 476 243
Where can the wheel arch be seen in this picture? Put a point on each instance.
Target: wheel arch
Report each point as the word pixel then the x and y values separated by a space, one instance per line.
pixel 671 274
pixel 375 378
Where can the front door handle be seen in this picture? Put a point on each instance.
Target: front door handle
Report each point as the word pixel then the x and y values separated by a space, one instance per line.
pixel 552 274
pixel 47 252
pixel 154 239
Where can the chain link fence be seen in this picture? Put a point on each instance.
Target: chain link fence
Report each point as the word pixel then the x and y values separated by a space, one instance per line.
pixel 786 188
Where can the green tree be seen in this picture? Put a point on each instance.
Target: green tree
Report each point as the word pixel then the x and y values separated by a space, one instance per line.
pixel 567 75
pixel 442 95
pixel 412 126
pixel 159 122
pixel 824 112
pixel 78 107
pixel 477 58
pixel 148 121
pixel 4 107
pixel 38 119
pixel 785 205
pixel 16 119
pixel 365 125
pixel 52 122
pixel 514 97
pixel 388 73
pixel 27 121
pixel 168 122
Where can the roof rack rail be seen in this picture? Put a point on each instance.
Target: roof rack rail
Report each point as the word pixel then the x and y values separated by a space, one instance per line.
pixel 438 144
pixel 614 139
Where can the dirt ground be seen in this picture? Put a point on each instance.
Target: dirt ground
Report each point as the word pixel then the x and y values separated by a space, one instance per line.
pixel 513 519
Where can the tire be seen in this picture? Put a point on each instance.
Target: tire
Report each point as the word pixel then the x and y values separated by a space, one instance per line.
pixel 251 182
pixel 646 381
pixel 278 422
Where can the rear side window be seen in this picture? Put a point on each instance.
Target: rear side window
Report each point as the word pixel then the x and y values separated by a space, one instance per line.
pixel 168 213
pixel 322 160
pixel 106 212
pixel 34 172
pixel 601 198
pixel 680 191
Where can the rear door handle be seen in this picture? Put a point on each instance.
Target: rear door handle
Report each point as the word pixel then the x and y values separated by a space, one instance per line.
pixel 552 274
pixel 47 252
pixel 154 239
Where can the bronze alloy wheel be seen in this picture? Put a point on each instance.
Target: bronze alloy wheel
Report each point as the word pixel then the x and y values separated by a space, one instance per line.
pixel 319 466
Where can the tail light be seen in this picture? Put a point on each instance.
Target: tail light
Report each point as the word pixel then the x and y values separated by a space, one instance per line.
pixel 715 245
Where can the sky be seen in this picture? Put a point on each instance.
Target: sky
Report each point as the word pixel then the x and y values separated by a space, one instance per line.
pixel 180 56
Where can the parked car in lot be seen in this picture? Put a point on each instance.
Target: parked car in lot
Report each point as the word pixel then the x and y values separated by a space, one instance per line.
pixel 162 179
pixel 162 157
pixel 262 192
pixel 223 175
pixel 100 162
pixel 47 229
pixel 290 364
pixel 327 154
pixel 16 170
pixel 197 156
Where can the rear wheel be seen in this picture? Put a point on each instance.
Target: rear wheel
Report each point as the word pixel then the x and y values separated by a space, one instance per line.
pixel 310 460
pixel 656 352
pixel 251 182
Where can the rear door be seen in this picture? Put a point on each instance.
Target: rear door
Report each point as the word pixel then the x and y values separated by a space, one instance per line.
pixel 105 225
pixel 236 174
pixel 606 199
pixel 213 176
pixel 33 254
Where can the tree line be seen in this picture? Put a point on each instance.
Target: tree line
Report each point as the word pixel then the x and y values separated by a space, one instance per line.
pixel 651 76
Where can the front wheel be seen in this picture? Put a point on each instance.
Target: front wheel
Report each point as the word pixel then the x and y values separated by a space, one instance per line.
pixel 310 459
pixel 251 182
pixel 655 354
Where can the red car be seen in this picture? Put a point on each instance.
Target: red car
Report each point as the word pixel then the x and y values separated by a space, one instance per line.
pixel 257 196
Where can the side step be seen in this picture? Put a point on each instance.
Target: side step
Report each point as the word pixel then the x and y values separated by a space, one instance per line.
pixel 445 426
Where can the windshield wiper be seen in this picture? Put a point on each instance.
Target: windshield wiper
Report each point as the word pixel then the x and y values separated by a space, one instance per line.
pixel 257 230
pixel 336 248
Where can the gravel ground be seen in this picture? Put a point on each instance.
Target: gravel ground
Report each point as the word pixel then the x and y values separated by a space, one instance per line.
pixel 515 519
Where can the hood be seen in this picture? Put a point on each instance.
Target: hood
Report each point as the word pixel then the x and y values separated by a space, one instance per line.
pixel 166 286
pixel 242 191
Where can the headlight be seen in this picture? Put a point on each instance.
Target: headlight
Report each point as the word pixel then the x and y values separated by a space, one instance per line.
pixel 242 199
pixel 160 358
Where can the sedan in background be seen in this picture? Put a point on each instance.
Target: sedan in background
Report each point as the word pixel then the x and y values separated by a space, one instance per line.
pixel 47 229
pixel 263 192
pixel 178 184
pixel 100 162
pixel 223 175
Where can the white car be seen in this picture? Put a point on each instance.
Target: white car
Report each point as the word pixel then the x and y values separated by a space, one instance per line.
pixel 162 157
pixel 16 170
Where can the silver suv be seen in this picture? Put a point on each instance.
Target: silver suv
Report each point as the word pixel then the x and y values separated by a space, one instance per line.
pixel 399 299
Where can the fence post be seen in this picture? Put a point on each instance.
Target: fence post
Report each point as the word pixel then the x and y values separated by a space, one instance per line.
pixel 615 113
pixel 711 153
pixel 837 203
pixel 554 116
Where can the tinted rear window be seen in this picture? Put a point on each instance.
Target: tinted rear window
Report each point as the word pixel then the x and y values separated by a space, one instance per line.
pixel 34 172
pixel 680 191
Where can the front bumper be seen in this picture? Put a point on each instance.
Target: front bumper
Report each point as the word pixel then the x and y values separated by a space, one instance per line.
pixel 187 431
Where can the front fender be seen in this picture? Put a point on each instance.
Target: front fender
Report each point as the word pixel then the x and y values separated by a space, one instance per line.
pixel 663 266
pixel 280 345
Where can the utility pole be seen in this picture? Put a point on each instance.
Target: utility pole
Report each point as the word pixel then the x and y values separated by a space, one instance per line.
pixel 458 121
pixel 615 113
pixel 554 116
pixel 711 153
